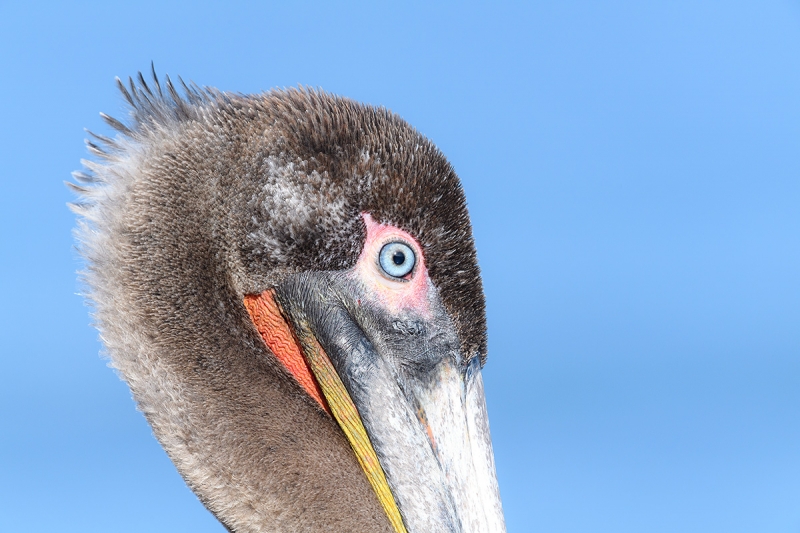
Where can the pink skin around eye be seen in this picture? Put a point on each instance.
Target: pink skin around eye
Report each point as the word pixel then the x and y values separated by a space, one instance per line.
pixel 393 294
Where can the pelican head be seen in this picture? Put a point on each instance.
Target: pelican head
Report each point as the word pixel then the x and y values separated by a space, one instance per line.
pixel 288 284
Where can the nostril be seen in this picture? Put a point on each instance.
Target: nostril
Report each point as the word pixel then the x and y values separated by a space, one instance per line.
pixel 407 327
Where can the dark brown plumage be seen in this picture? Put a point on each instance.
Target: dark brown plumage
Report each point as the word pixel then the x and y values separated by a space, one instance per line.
pixel 206 197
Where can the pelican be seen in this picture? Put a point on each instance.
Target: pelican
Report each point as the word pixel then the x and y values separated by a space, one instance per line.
pixel 288 283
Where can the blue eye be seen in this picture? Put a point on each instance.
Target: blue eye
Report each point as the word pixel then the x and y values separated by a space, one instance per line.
pixel 397 259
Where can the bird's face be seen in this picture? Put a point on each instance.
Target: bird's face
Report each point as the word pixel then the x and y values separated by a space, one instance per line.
pixel 346 234
pixel 387 360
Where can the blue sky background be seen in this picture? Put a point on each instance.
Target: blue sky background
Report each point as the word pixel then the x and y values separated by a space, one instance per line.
pixel 633 174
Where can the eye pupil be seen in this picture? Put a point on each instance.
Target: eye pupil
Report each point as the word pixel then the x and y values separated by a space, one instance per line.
pixel 399 258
